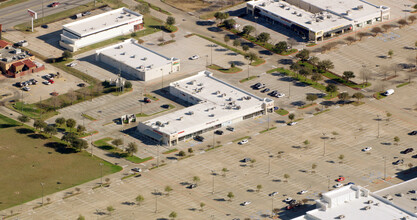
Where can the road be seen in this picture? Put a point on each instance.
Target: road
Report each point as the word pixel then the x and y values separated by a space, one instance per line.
pixel 17 14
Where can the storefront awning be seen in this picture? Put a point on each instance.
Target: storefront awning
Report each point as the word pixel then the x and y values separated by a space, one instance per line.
pixel 152 135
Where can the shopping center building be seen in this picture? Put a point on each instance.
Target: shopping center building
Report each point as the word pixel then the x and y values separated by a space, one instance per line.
pixel 315 20
pixel 215 104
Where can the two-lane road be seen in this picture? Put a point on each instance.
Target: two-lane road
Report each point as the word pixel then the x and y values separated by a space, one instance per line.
pixel 17 14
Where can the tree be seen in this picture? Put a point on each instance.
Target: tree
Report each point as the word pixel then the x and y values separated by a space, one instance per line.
pixel 139 199
pixel 190 150
pixel 365 75
pixel 280 47
pixel 181 153
pixel 325 65
pixel 170 21
pixel 247 29
pixel 295 67
pixel 221 16
pixel 51 130
pixel 316 77
pixel 236 43
pixel 39 124
pixel 303 55
pixel 402 22
pixel 258 188
pixel 229 23
pixel 110 209
pixel 396 139
pixel 251 56
pixel 226 39
pixel 80 128
pixel 23 118
pixel 173 215
pixel 386 27
pixel 314 60
pixel 376 30
pixel 362 34
pixel 128 85
pixel 292 42
pixel 358 96
pixel 311 97
pixel 348 75
pixel 202 204
pixel 305 72
pixel 225 170
pixel 350 40
pixel 341 157
pixel 230 195
pixel 66 54
pixel 172 36
pixel 71 123
pixel 291 116
pixel 196 179
pixel 412 18
pixel 313 166
pixel 410 165
pixel 390 53
pixel 143 9
pixel 344 96
pixel 132 148
pixel 245 47
pixel 286 176
pixel 79 144
pixel 69 137
pixel 264 37
pixel 80 217
pixel 168 189
pixel 60 121
pixel 331 88
pixel 117 142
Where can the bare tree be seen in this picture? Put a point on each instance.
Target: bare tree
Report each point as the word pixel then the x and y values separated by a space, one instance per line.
pixel 365 75
pixel 350 39
pixel 71 95
pixel 292 42
pixel 386 27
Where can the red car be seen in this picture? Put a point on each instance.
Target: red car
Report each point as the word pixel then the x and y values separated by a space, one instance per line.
pixel 340 179
pixel 51 81
pixel 54 4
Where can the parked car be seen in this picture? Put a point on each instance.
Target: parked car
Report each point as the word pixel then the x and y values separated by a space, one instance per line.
pixel 265 90
pixel 192 186
pixel 51 81
pixel 288 199
pixel 367 149
pixel 199 138
pixel 19 84
pixel 46 82
pixel 273 194
pixel 137 169
pixel 338 185
pixel 414 156
pixel 86 13
pixel 261 86
pixel 146 100
pixel 246 159
pixel 44 26
pixel 72 64
pixel 388 92
pixel 413 133
pixel 280 95
pixel 246 203
pixel 408 150
pixel 81 85
pixel 340 179
pixel 400 161
pixel 273 93
pixel 244 141
pixel 26 88
pixel 350 183
pixel 256 85
pixel 303 192
pixel 230 129
pixel 33 81
pixel 47 77
pixel 194 57
pixel 218 132
pixel 292 123
pixel 53 4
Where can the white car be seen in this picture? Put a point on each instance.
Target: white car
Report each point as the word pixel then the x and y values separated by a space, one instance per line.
pixel 72 64
pixel 280 95
pixel 273 194
pixel 367 149
pixel 244 141
pixel 194 57
pixel 46 82
pixel 26 88
pixel 246 203
pixel 338 185
pixel 292 123
pixel 137 169
pixel 302 192
pixel 288 199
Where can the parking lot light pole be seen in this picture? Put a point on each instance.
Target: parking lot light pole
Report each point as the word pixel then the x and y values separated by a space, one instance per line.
pixel 385 168
pixel 101 178
pixel 156 200
pixel 213 138
pixel 328 182
pixel 378 119
pixel 42 184
pixel 212 188
pixel 269 163
pixel 324 144
pixel 272 206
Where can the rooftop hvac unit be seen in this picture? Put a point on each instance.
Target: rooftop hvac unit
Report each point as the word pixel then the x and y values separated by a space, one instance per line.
pixel 133 56
pixel 341 217
pixel 294 12
pixel 370 201
pixel 329 16
pixel 281 5
pixel 238 107
pixel 200 84
pixel 211 115
pixel 167 123
pixel 128 15
pixel 158 123
pixel 300 15
pixel 287 8
pixel 191 113
pixel 348 12
pixel 180 118
pixel 123 12
pixel 122 53
pixel 367 207
pixel 121 16
pixel 145 58
pixel 360 7
pixel 162 125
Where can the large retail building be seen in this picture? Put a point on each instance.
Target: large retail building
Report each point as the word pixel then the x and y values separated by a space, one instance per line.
pixel 100 27
pixel 315 20
pixel 137 61
pixel 215 104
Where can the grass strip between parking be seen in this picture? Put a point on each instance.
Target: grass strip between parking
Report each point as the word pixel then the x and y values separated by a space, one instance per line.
pixel 281 112
pixel 225 70
pixel 146 115
pixel 212 148
pixel 170 151
pixel 242 138
pixel 247 79
pixel 88 117
pixel 254 63
pixel 268 129
pixel 104 145
pixel 10 3
pixel 378 95
pixel 402 84
pixel 317 113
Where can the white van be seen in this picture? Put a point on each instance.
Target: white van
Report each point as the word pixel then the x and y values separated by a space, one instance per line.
pixel 388 92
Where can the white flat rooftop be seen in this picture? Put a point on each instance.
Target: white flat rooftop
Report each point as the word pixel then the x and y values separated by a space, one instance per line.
pixel 216 97
pixel 135 55
pixel 334 13
pixel 403 194
pixel 102 21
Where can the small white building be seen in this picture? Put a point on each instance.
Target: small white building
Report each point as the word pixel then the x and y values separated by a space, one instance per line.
pixel 216 104
pixel 137 61
pixel 315 20
pixel 98 28
pixel 354 202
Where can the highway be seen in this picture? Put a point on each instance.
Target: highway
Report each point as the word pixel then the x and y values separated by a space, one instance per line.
pixel 17 14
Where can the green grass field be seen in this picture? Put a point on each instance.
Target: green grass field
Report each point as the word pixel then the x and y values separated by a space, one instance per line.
pixel 28 159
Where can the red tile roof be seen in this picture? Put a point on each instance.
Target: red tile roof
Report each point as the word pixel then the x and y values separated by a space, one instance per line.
pixel 3 43
pixel 29 64
pixel 18 64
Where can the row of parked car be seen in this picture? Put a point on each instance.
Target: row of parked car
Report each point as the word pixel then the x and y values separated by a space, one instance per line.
pixel 262 86
pixel 218 132
pixel 25 84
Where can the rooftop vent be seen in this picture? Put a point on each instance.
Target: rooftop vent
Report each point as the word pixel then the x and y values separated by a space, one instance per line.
pixel 360 7
pixel 200 84
pixel 158 123
pixel 300 15
pixel 191 113
pixel 122 53
pixel 133 56
pixel 294 12
pixel 123 12
pixel 211 115
pixel 341 216
pixel 121 16
pixel 367 207
pixel 287 8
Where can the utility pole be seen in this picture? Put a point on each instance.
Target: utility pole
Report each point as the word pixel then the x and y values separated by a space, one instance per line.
pixel 211 54
pixel 268 119
pixel 213 138
pixel 272 206
pixel 328 182
pixel 42 184
pixel 162 76
pixel 385 168
pixel 91 142
pixel 289 88
pixel 156 200
pixel 248 70
pixel 212 188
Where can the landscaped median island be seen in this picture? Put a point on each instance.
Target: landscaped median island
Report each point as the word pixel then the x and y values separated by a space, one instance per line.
pixel 104 145
pixel 379 95
pixel 31 154
pixel 169 107
pixel 247 79
pixel 282 112
pixel 224 70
